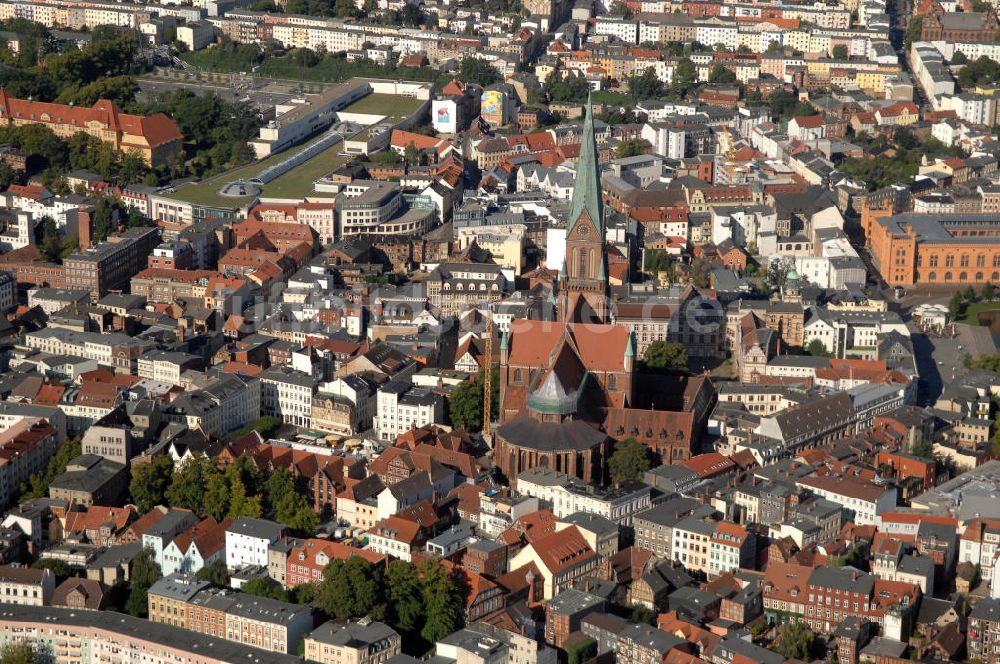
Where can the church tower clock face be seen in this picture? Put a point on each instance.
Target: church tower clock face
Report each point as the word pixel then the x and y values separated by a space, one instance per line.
pixel 584 231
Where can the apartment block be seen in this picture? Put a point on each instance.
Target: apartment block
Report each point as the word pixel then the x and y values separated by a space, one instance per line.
pixel 110 265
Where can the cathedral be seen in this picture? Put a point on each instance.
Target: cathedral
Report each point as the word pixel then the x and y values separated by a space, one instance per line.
pixel 567 386
pixel 559 378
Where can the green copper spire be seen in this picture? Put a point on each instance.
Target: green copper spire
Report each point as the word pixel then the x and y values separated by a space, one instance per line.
pixel 587 190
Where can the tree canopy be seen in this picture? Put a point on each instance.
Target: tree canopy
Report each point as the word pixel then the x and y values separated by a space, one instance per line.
pixel 265 587
pixel 145 572
pixel 701 272
pixel 630 148
pixel 979 71
pixel 465 403
pixel 798 642
pixel 150 482
pixel 721 74
pixel 914 28
pixel 669 355
pixel 474 70
pixel 215 573
pixel 20 651
pixel 684 78
pixel 569 88
pixel 629 460
pixel 37 485
pixel 817 348
pixel 646 85
pixel 423 603
pixel 287 505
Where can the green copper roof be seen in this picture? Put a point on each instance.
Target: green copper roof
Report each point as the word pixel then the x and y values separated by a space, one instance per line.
pixel 504 341
pixel 587 190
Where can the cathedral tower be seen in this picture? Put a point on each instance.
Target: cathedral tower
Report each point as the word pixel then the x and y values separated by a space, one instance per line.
pixel 583 279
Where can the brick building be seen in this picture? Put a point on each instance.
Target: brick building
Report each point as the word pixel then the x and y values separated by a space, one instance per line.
pixel 111 264
pixel 155 138
pixel 910 248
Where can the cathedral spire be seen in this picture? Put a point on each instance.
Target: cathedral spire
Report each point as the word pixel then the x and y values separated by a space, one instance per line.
pixel 587 190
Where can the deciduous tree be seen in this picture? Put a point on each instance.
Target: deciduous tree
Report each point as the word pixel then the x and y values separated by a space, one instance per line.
pixel 797 642
pixel 19 651
pixel 145 572
pixel 215 573
pixel 817 348
pixel 442 602
pixel 669 355
pixel 150 482
pixel 405 598
pixel 629 460
pixel 721 74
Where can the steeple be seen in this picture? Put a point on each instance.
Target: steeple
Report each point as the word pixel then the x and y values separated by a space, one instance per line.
pixel 583 278
pixel 587 191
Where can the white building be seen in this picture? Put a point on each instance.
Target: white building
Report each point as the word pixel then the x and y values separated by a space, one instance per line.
pixel 746 226
pixel 667 140
pixel 287 394
pixel 625 30
pixel 190 551
pixel 402 406
pixel 971 107
pixel 247 541
pixel 226 404
pixel 846 333
pixel 568 495
pixel 26 586
pixel 862 501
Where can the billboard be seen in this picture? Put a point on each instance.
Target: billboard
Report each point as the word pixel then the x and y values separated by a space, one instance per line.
pixel 444 116
pixel 491 107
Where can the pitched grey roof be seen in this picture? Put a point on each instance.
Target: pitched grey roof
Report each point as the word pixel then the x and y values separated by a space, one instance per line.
pixel 256 528
pixel 843 578
pixel 358 635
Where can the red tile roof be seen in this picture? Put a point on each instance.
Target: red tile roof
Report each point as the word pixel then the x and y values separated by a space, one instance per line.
pixel 710 464
pixel 809 121
pixel 563 550
pixel 208 536
pixel 155 130
pixel 96 516
pixel 600 347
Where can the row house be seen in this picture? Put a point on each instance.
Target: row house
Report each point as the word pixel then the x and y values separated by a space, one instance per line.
pixel 306 561
pixel 560 557
pixel 260 622
pixel 193 549
pixel 863 501
pixel 979 545
pixel 25 449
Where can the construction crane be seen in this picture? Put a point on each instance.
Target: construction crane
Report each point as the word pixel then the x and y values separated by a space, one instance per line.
pixel 488 377
pixel 730 153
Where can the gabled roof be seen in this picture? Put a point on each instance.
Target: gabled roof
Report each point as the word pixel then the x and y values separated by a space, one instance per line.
pixel 600 347
pixel 207 537
pixel 563 550
pixel 96 516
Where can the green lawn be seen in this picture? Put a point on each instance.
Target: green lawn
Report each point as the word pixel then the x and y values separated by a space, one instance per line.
pixel 295 183
pixel 298 182
pixel 329 70
pixel 972 311
pixel 383 104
